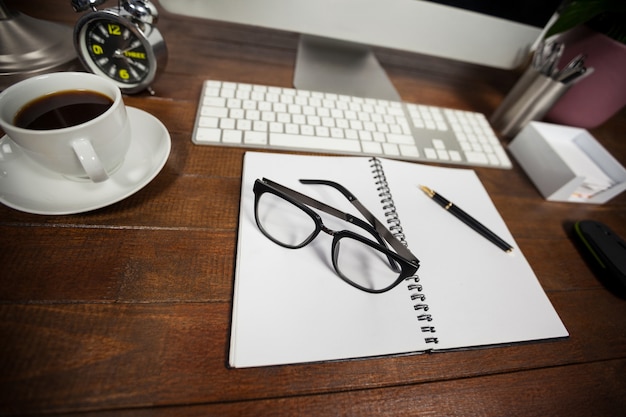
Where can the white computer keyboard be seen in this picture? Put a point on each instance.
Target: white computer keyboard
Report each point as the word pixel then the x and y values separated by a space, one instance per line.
pixel 264 117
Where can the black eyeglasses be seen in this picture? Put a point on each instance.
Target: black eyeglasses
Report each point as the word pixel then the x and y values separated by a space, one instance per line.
pixel 285 217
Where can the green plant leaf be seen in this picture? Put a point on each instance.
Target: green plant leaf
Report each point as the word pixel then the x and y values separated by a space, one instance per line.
pixel 578 12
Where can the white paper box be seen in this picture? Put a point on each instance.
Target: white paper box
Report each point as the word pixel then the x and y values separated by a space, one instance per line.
pixel 568 164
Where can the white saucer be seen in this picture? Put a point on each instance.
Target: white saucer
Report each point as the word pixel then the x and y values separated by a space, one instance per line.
pixel 26 186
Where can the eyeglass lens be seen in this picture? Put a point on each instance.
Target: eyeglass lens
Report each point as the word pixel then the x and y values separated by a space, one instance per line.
pixel 364 265
pixel 284 222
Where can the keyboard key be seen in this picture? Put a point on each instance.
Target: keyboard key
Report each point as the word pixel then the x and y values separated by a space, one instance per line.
pixel 455 156
pixel 292 129
pixel 214 101
pixel 365 135
pixel 307 130
pixel 409 151
pixel 232 136
pixel 439 144
pixel 204 134
pixel 335 132
pixel 372 147
pixel 391 149
pixel 214 111
pixel 227 123
pixel 400 139
pixel 430 153
pixel 476 157
pixel 255 138
pixel 243 124
pixel 314 142
pixel 233 103
pixel 259 126
pixel 493 159
pixel 276 127
pixel 352 134
pixel 205 121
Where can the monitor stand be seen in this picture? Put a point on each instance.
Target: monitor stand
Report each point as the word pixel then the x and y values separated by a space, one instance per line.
pixel 340 67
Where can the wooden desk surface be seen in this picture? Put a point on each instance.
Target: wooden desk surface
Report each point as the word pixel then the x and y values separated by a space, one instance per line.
pixel 126 310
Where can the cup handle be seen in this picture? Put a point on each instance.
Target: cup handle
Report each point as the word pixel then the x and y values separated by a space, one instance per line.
pixel 89 160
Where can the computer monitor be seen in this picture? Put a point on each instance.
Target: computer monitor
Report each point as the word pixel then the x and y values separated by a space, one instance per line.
pixel 334 53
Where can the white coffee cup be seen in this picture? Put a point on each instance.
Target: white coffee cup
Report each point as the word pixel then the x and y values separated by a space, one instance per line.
pixel 91 150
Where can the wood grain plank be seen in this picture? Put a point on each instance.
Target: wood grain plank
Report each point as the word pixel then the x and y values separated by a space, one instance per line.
pixel 514 395
pixel 72 357
pixel 117 264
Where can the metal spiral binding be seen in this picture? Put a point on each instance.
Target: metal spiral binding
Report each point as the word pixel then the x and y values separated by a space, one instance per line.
pixel 387 201
pixel 393 221
pixel 417 295
pixel 425 317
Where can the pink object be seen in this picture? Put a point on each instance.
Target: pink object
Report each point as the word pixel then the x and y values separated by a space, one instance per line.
pixel 594 99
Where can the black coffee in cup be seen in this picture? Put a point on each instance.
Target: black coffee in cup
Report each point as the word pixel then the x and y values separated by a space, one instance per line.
pixel 62 109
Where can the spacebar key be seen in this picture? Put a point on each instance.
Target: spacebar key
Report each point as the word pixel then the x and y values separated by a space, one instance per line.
pixel 320 143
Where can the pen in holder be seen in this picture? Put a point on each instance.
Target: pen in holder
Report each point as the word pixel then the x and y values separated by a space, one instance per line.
pixel 530 99
pixel 537 90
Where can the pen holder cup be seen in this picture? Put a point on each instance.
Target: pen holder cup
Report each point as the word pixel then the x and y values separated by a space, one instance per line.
pixel 530 99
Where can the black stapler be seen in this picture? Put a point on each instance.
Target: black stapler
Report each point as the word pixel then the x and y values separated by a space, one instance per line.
pixel 607 249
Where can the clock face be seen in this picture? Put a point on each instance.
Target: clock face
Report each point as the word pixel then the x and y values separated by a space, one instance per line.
pixel 116 50
pixel 131 54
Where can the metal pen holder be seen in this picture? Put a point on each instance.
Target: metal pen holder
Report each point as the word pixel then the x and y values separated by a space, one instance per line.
pixel 530 99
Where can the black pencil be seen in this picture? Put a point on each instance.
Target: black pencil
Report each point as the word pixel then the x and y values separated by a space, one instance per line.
pixel 467 219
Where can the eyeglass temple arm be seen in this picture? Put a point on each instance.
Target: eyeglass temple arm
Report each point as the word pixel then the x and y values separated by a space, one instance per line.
pixel 380 228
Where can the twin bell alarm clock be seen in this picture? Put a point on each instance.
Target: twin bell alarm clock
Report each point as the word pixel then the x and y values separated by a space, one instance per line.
pixel 121 43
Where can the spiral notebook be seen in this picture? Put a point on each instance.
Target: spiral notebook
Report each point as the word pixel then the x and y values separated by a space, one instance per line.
pixel 290 306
